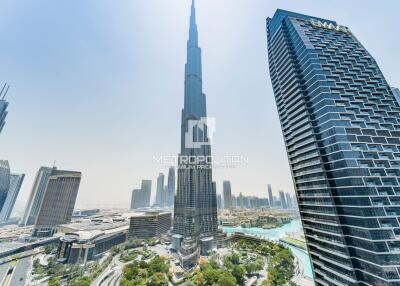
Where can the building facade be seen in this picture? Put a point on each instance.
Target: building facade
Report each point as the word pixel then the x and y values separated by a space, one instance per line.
pixel 227 193
pixel 3 106
pixel 171 187
pixel 4 181
pixel 160 197
pixel 270 196
pixel 88 238
pixel 146 188
pixel 195 206
pixel 340 122
pixel 36 195
pixel 282 199
pixel 58 202
pixel 137 199
pixel 150 224
pixel 15 185
pixel 396 93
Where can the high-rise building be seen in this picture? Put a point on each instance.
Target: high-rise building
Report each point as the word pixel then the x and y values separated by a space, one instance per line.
pixel 288 200
pixel 341 125
pixel 195 208
pixel 36 195
pixel 270 196
pixel 57 203
pixel 282 199
pixel 15 185
pixel 219 201
pixel 146 188
pixel 227 192
pixel 160 200
pixel 171 187
pixel 234 201
pixel 396 93
pixel 3 106
pixel 141 197
pixel 137 199
pixel 4 181
pixel 240 201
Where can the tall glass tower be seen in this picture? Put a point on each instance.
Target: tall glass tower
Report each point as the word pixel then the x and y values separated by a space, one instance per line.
pixel 4 181
pixel 227 192
pixel 3 106
pixel 15 186
pixel 341 125
pixel 171 187
pixel 195 206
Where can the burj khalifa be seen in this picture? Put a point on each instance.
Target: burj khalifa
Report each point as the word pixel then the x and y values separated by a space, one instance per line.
pixel 195 204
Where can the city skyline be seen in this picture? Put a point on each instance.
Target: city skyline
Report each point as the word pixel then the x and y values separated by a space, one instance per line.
pixel 27 95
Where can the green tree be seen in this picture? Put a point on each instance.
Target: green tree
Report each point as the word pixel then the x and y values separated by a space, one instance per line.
pixel 158 279
pixel 238 272
pixel 83 281
pixel 54 281
pixel 226 279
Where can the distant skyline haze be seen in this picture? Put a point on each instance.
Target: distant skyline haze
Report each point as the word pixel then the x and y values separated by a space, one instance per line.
pixel 98 87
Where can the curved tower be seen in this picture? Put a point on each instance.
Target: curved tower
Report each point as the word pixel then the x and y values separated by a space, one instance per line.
pixel 4 181
pixel 195 206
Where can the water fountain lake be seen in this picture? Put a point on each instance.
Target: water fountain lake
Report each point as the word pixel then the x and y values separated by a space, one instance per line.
pixel 275 234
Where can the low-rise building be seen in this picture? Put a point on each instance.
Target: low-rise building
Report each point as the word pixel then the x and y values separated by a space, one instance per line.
pixel 149 224
pixel 89 238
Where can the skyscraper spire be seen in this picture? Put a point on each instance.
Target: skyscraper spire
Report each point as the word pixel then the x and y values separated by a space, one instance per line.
pixel 195 207
pixel 193 35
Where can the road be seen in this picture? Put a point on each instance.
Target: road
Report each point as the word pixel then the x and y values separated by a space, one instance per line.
pixel 20 272
pixel 111 276
pixel 15 273
pixel 3 272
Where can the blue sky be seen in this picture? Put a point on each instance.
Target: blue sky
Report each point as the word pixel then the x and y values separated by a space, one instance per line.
pixel 98 85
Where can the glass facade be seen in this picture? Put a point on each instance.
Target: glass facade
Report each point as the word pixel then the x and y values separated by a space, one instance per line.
pixel 340 122
pixel 3 105
pixel 227 194
pixel 195 204
pixel 4 181
pixel 396 93
pixel 3 113
pixel 15 185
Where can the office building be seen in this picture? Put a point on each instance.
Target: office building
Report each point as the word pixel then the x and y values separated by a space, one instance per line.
pixel 4 181
pixel 227 192
pixel 138 199
pixel 3 106
pixel 234 201
pixel 195 208
pixel 341 125
pixel 171 187
pixel 57 201
pixel 282 199
pixel 36 195
pixel 219 201
pixel 241 201
pixel 288 200
pixel 150 224
pixel 146 188
pixel 270 196
pixel 13 191
pixel 160 190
